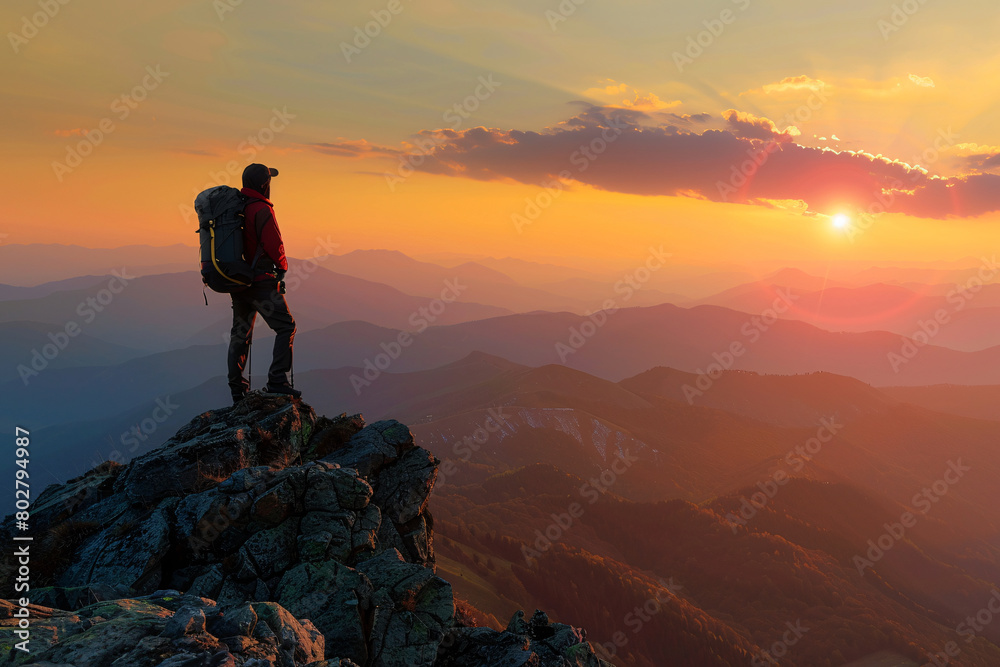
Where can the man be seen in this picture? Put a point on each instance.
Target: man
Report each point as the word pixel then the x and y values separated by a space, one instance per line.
pixel 266 294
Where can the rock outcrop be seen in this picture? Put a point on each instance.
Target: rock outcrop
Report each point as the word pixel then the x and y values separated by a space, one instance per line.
pixel 258 535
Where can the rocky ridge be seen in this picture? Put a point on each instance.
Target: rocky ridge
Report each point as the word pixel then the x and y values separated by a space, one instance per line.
pixel 258 535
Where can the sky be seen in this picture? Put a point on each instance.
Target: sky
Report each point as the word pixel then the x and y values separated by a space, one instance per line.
pixel 728 131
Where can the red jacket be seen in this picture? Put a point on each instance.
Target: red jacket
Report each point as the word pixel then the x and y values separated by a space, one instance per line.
pixel 260 212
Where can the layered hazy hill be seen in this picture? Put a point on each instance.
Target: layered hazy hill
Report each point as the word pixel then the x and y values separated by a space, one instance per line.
pixel 793 558
pixel 559 429
pixel 964 315
pixel 982 402
pixel 660 419
pixel 36 263
pixel 163 311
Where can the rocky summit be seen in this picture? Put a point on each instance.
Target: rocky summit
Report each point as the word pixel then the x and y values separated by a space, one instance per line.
pixel 258 535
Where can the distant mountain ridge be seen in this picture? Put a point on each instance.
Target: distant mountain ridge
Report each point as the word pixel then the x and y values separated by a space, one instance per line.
pixel 31 264
pixel 963 319
pixel 160 312
pixel 631 342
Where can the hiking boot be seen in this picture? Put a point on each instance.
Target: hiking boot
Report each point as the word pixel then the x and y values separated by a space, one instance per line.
pixel 284 389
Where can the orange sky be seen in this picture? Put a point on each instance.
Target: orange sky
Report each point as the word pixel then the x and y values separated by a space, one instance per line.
pixel 210 81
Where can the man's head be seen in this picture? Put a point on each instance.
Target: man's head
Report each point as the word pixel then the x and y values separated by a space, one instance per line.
pixel 258 177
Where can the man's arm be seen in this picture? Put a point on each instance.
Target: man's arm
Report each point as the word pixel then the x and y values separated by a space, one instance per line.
pixel 270 237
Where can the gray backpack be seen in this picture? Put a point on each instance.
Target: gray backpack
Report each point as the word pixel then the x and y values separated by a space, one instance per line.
pixel 220 228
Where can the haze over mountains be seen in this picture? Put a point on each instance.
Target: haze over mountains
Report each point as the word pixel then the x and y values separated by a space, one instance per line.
pixel 36 263
pixel 965 317
pixel 723 456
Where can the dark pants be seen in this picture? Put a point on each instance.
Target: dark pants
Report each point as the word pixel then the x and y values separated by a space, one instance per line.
pixel 262 297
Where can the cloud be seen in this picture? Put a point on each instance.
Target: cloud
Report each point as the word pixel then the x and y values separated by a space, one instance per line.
pixel 966 196
pixel 970 148
pixel 643 101
pixel 972 157
pixel 686 120
pixel 649 102
pixel 791 84
pixel 611 87
pixel 907 87
pixel 748 126
pixel 982 162
pixel 796 205
pixel 353 148
pixel 747 161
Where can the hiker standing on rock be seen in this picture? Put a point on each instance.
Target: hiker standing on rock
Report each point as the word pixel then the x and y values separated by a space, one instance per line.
pixel 266 294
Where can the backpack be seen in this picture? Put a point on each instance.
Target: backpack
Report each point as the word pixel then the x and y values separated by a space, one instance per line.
pixel 221 225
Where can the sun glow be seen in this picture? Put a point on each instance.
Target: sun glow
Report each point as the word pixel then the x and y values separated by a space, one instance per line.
pixel 841 220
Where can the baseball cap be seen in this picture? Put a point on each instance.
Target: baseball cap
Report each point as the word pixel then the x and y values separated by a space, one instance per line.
pixel 256 175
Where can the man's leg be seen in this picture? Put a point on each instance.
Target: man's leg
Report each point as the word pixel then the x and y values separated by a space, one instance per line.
pixel 277 316
pixel 244 314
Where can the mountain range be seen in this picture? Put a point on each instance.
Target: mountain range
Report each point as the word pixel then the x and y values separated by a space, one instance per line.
pixel 785 471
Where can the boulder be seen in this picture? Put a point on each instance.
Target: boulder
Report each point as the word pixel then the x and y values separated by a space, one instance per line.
pixel 522 644
pixel 256 536
pixel 262 430
pixel 146 632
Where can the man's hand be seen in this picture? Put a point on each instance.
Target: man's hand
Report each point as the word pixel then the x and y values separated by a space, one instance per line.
pixel 281 280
